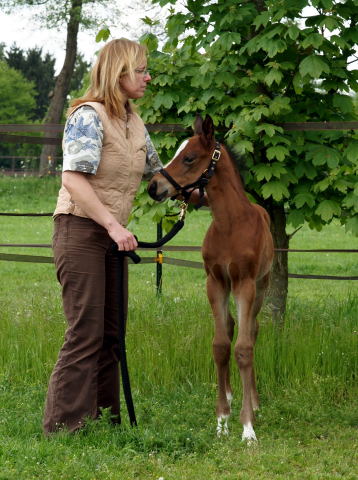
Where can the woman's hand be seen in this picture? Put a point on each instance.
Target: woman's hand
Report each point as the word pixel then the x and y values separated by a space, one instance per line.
pixel 123 237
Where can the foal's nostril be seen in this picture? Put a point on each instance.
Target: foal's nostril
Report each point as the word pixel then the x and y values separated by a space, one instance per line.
pixel 152 189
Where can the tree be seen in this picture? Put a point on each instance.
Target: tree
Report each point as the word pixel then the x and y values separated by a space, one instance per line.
pixel 54 14
pixel 16 101
pixel 37 69
pixel 79 73
pixel 17 96
pixel 253 65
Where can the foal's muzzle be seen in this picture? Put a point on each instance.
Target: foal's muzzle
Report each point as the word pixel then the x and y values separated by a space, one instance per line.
pixel 153 191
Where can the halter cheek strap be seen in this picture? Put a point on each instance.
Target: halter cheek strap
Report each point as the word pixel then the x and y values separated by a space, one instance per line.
pixel 201 182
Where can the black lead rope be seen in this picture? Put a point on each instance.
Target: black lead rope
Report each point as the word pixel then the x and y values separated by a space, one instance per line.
pixel 121 314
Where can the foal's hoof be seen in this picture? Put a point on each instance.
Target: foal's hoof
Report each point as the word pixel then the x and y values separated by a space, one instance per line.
pixel 248 435
pixel 222 426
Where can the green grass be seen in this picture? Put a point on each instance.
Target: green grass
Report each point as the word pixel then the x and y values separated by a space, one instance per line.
pixel 307 373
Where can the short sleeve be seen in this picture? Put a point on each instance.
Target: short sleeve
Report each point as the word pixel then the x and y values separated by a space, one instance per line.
pixel 82 141
pixel 152 163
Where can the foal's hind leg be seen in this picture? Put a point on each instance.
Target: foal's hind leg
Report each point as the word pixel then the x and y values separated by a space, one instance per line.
pixel 230 325
pixel 261 287
pixel 218 295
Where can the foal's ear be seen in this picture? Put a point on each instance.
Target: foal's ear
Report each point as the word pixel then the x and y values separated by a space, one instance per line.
pixel 198 125
pixel 208 129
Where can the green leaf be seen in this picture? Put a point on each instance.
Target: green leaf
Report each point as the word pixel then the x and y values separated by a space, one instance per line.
pixel 352 225
pixel 343 102
pixel 331 23
pixel 298 83
pixel 304 198
pixel 276 190
pixel 269 129
pixel 351 152
pixel 305 169
pixel 151 42
pixel 273 76
pixel 314 39
pixel 351 201
pixel 278 170
pixel 163 99
pixel 262 19
pixel 244 146
pixel 322 155
pixel 176 25
pixel 327 209
pixel 278 152
pixel 273 46
pixel 103 34
pixel 295 218
pixel 322 185
pixel 267 171
pixel 262 172
pixel 339 41
pixel 293 32
pixel 313 65
pixel 259 111
pixel 226 78
pixel 280 105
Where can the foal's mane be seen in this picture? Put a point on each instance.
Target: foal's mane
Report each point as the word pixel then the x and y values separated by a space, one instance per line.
pixel 238 162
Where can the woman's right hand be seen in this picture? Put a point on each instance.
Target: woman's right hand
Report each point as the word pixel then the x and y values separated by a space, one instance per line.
pixel 122 237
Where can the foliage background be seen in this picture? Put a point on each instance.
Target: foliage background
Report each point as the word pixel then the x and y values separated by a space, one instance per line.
pixel 255 65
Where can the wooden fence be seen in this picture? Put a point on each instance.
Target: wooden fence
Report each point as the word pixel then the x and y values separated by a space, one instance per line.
pixel 53 131
pixel 161 257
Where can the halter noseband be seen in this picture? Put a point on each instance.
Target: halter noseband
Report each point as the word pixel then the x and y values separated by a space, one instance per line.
pixel 201 182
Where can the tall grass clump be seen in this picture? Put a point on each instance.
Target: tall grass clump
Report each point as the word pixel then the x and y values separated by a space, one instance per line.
pixel 17 194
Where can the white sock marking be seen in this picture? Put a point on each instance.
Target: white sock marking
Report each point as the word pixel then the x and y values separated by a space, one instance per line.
pixel 222 426
pixel 249 433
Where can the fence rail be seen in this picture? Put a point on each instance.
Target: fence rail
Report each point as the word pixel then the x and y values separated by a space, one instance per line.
pixel 56 129
pixel 160 258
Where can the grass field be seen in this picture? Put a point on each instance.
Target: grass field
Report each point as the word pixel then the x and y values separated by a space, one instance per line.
pixel 307 373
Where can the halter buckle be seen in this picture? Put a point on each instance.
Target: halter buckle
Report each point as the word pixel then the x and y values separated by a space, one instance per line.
pixel 216 155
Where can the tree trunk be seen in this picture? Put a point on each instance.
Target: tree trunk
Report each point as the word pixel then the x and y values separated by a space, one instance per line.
pixel 62 86
pixel 277 295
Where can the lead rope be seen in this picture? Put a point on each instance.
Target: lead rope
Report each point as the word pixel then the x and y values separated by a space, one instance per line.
pixel 121 314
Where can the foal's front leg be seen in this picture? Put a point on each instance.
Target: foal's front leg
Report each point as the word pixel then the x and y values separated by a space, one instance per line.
pixel 245 293
pixel 218 296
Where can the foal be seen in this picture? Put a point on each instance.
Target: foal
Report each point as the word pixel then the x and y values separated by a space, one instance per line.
pixel 237 253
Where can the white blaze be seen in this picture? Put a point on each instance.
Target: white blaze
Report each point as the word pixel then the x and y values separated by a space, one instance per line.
pixel 180 149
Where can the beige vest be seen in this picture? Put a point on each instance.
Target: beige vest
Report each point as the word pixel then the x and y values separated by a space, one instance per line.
pixel 120 169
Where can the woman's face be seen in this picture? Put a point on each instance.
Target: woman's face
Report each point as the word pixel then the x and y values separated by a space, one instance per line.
pixel 135 88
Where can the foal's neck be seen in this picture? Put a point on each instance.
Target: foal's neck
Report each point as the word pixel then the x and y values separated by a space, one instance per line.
pixel 225 191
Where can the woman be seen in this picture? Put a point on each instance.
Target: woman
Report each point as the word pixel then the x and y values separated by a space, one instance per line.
pixel 107 150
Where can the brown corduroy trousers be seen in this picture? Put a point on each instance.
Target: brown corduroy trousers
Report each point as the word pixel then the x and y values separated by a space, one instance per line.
pixel 86 376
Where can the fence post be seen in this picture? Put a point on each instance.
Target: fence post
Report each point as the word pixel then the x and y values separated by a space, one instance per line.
pixel 159 258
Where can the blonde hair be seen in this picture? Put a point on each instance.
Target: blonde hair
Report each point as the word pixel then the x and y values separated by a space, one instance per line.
pixel 117 58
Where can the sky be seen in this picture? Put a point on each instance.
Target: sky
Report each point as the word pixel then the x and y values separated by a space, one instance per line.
pixel 20 29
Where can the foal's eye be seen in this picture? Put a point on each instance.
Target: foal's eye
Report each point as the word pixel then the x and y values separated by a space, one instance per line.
pixel 188 160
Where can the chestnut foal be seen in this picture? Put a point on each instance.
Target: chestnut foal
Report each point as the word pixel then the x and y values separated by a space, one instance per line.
pixel 237 253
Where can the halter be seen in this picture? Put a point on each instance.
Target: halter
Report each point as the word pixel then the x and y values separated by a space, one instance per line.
pixel 201 182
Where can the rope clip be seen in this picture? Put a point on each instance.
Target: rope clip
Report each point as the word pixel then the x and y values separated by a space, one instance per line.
pixel 183 209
